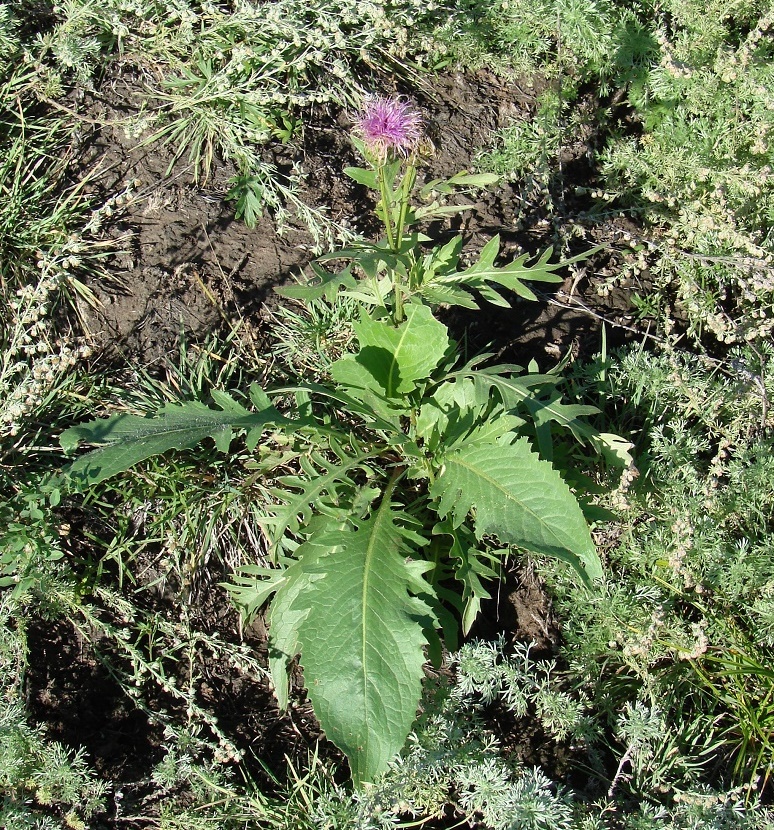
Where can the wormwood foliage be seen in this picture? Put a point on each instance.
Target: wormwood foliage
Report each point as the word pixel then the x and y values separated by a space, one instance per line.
pixel 681 140
pixel 407 471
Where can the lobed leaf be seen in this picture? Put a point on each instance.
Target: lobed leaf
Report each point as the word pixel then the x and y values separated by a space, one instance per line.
pixel 480 275
pixel 322 479
pixel 470 567
pixel 519 498
pixel 128 439
pixel 547 407
pixel 285 619
pixel 324 284
pixel 359 624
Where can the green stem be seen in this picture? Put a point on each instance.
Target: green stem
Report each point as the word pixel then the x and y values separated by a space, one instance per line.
pixel 398 291
pixel 407 186
pixel 386 206
pixel 397 475
pixel 391 240
pixel 405 190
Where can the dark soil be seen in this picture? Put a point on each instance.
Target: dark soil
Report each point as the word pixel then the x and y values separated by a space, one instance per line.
pixel 188 266
pixel 71 691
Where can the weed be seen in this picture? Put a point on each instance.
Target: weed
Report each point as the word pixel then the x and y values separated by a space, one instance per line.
pixel 676 630
pixel 414 458
pixel 42 783
pixel 223 83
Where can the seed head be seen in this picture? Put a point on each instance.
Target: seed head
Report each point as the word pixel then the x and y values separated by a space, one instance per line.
pixel 389 127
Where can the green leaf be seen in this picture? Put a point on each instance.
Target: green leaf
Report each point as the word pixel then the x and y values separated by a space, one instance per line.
pixel 247 192
pixel 259 398
pixel 543 407
pixel 465 179
pixel 393 359
pixel 251 586
pixel 362 176
pixel 519 498
pixel 616 450
pixel 360 629
pixel 378 416
pixel 444 259
pixel 324 284
pixel 551 409
pixel 460 411
pixel 436 294
pixel 511 276
pixel 435 209
pixel 471 565
pixel 459 180
pixel 129 439
pixel 284 619
pixel 321 479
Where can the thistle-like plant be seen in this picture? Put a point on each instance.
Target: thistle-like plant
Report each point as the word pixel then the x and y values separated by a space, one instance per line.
pixel 409 472
pixel 403 474
pixel 401 266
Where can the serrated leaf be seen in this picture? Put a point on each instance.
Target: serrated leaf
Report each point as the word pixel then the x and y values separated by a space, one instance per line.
pixel 129 439
pixel 259 398
pixel 362 641
pixel 284 619
pixel 519 498
pixel 445 257
pixel 251 586
pixel 437 294
pixel 393 359
pixel 551 409
pixel 470 567
pixel 517 392
pixel 367 407
pixel 616 449
pixel 436 209
pixel 460 411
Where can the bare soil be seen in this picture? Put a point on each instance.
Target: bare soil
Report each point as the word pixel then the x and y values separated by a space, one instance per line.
pixel 188 263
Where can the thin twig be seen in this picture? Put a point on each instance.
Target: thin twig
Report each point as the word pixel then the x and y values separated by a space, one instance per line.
pixel 576 304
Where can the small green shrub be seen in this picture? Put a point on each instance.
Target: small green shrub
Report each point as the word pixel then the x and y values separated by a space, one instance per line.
pixel 701 171
pixel 680 139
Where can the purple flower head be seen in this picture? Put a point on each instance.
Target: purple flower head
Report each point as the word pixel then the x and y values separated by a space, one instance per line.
pixel 389 127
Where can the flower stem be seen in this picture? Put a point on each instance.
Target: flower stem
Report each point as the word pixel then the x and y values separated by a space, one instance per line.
pixel 393 241
pixel 407 188
pixel 386 206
